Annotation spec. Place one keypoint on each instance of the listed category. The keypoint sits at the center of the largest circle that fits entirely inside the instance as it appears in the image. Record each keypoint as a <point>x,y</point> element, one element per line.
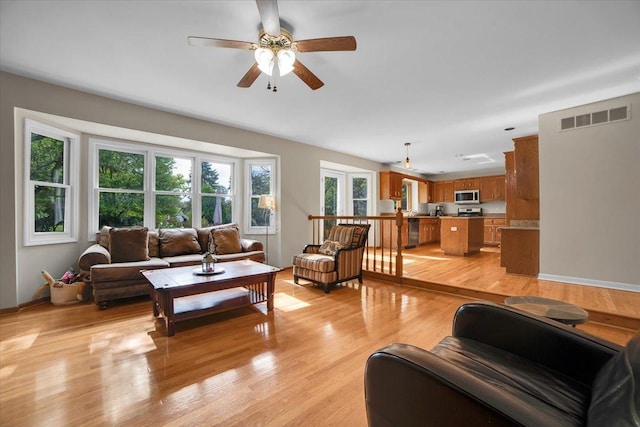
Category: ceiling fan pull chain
<point>276,72</point>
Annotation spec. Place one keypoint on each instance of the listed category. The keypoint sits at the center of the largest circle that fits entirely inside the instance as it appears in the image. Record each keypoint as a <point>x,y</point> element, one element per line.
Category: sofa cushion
<point>128,244</point>
<point>616,389</point>
<point>225,241</point>
<point>109,275</point>
<point>315,262</point>
<point>178,241</point>
<point>205,232</point>
<point>330,247</point>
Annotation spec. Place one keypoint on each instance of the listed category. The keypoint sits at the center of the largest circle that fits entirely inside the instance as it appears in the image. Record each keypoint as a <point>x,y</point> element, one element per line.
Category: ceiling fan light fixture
<point>264,58</point>
<point>286,59</point>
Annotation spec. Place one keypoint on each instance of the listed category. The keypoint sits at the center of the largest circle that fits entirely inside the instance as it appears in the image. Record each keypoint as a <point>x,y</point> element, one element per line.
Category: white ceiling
<point>446,76</point>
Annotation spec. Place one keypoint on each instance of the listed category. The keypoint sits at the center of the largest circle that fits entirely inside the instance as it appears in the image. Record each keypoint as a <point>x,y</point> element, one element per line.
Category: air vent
<point>596,118</point>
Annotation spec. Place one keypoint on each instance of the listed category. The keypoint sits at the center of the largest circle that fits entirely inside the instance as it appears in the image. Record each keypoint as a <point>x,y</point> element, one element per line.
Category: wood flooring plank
<point>302,364</point>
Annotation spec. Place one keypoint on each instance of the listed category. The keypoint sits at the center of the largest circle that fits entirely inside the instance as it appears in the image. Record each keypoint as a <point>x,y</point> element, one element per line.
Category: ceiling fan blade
<point>306,76</point>
<point>269,15</point>
<point>234,44</point>
<point>326,44</point>
<point>250,77</point>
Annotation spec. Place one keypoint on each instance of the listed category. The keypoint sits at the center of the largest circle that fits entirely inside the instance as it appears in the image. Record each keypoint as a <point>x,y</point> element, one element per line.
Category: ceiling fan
<point>275,52</point>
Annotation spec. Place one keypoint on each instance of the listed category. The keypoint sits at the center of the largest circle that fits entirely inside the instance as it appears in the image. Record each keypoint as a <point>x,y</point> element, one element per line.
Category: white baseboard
<point>590,282</point>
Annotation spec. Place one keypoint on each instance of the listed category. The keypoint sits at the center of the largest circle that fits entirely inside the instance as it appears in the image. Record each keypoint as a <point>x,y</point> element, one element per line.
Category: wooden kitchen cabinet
<point>429,230</point>
<point>492,188</point>
<point>443,192</point>
<point>493,230</point>
<point>466,184</point>
<point>425,192</point>
<point>390,185</point>
<point>448,191</point>
<point>526,165</point>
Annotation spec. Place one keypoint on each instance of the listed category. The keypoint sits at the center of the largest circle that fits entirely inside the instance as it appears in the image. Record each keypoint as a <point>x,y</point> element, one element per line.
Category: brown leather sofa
<point>504,367</point>
<point>114,263</point>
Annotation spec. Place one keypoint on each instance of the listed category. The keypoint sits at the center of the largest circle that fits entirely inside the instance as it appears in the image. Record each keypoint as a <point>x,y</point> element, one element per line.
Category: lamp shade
<point>264,58</point>
<point>286,58</point>
<point>267,201</point>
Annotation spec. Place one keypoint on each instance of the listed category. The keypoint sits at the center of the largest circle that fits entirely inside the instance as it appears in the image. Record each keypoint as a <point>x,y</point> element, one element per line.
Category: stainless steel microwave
<point>467,197</point>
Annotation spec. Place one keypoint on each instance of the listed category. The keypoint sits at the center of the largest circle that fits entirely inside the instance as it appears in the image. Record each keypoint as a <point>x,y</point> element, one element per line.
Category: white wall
<point>590,198</point>
<point>20,266</point>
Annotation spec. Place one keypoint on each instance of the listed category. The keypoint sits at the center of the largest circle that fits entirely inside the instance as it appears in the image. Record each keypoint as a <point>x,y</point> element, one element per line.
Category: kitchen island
<point>461,236</point>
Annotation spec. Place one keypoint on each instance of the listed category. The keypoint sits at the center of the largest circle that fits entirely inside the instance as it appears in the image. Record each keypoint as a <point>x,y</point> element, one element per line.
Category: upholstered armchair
<point>337,260</point>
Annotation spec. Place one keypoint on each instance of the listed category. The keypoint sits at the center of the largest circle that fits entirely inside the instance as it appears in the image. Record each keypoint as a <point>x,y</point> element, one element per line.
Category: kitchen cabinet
<point>518,207</point>
<point>425,192</point>
<point>526,165</point>
<point>448,191</point>
<point>520,250</point>
<point>443,192</point>
<point>466,184</point>
<point>492,188</point>
<point>390,185</point>
<point>493,230</point>
<point>461,236</point>
<point>429,230</point>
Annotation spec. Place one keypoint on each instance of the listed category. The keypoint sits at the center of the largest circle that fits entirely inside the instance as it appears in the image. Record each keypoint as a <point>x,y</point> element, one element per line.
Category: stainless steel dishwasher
<point>414,233</point>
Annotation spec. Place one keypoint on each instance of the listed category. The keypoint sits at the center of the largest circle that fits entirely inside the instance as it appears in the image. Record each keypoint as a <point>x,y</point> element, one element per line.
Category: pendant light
<point>407,162</point>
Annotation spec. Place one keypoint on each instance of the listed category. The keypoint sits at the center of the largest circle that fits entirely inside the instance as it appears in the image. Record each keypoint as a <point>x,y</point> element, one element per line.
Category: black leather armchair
<point>504,367</point>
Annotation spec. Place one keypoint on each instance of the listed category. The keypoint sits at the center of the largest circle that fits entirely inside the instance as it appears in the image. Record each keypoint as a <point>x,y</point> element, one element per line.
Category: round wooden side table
<point>560,311</point>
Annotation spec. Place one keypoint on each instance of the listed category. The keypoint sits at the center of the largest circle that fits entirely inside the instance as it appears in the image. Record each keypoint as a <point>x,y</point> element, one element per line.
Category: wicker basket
<point>64,295</point>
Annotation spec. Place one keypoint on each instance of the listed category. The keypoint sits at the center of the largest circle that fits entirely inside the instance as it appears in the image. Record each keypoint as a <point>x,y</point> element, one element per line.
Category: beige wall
<point>590,198</point>
<point>20,266</point>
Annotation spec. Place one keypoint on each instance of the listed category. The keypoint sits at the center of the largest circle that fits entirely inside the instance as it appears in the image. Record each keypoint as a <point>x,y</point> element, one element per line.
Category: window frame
<point>248,196</point>
<point>71,185</point>
<point>363,175</point>
<point>150,154</point>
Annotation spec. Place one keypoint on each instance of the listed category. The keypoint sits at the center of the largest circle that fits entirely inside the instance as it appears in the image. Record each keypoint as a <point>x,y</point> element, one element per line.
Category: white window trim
<point>247,196</point>
<point>341,196</point>
<point>369,199</point>
<point>72,210</point>
<point>150,153</point>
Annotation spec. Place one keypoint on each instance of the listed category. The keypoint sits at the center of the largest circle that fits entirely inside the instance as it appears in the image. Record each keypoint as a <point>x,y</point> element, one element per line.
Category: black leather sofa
<point>504,367</point>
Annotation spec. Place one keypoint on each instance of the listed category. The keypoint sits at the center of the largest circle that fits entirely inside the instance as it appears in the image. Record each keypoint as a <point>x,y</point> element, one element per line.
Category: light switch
<point>454,228</point>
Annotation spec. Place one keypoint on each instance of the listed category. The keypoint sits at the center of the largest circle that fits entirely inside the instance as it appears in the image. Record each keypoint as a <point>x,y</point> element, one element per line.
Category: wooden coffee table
<point>552,309</point>
<point>180,294</point>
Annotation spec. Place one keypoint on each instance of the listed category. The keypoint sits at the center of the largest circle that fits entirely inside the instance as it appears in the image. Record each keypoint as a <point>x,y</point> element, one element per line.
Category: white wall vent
<point>596,118</point>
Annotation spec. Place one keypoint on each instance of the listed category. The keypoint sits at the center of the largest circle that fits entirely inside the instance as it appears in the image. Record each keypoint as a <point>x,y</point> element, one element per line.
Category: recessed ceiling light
<point>509,129</point>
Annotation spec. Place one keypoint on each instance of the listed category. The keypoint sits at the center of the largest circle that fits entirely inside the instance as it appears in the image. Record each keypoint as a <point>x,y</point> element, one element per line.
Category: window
<point>120,188</point>
<point>51,196</point>
<point>138,185</point>
<point>215,193</point>
<point>261,181</point>
<point>173,192</point>
<point>360,194</point>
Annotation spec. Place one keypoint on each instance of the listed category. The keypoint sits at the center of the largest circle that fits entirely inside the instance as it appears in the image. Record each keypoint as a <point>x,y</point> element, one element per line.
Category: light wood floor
<point>481,273</point>
<point>301,364</point>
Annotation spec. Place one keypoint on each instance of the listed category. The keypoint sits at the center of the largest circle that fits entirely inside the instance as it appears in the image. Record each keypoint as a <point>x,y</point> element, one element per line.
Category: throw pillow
<point>103,238</point>
<point>204,233</point>
<point>178,241</point>
<point>330,247</point>
<point>129,244</point>
<point>225,241</point>
<point>154,244</point>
